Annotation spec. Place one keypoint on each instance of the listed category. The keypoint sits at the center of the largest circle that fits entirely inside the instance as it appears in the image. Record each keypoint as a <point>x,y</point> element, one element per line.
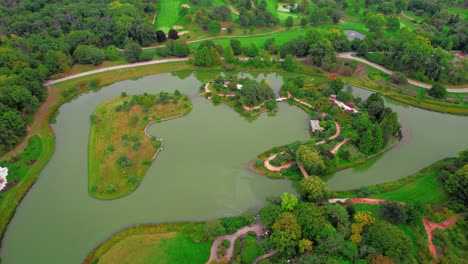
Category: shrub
<point>398,78</point>
<point>132,179</point>
<point>112,188</point>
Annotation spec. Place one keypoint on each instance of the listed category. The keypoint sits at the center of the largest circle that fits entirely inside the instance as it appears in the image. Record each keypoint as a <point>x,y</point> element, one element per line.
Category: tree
<point>286,234</point>
<point>236,46</point>
<point>337,85</point>
<point>214,26</point>
<point>160,36</point>
<point>438,91</point>
<point>87,54</point>
<point>111,53</point>
<point>288,201</point>
<point>269,214</point>
<point>214,229</point>
<point>305,245</point>
<point>378,140</point>
<point>398,78</point>
<point>336,15</point>
<point>457,184</point>
<point>363,49</point>
<point>304,22</point>
<point>252,50</point>
<point>393,22</point>
<point>393,212</point>
<point>132,52</point>
<point>229,54</point>
<point>289,22</point>
<point>310,159</point>
<point>388,240</point>
<point>173,34</point>
<point>180,49</point>
<point>288,63</point>
<point>313,189</point>
<point>366,142</point>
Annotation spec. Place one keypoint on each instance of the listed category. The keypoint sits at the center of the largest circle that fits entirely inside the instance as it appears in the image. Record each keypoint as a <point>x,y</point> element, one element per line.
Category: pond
<point>201,173</point>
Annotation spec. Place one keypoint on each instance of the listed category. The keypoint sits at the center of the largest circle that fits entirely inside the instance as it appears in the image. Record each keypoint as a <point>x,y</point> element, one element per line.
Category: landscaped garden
<point>120,150</point>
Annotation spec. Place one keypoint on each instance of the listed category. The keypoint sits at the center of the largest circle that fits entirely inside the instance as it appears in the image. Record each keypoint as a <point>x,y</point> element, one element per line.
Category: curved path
<point>259,229</point>
<point>431,226</point>
<point>267,255</point>
<point>232,8</point>
<point>267,164</point>
<point>349,55</point>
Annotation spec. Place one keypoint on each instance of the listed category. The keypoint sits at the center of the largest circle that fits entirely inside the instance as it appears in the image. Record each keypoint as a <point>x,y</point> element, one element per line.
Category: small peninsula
<point>120,149</point>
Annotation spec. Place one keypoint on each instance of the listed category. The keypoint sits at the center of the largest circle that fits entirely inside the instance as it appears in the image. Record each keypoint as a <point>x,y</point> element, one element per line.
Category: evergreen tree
<point>378,138</point>
<point>229,54</point>
<point>288,64</point>
<point>365,144</point>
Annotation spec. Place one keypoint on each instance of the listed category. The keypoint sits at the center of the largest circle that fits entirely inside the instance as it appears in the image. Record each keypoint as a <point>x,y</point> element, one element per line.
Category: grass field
<point>427,189</point>
<point>169,247</point>
<point>119,151</point>
<point>153,243</point>
<point>167,14</point>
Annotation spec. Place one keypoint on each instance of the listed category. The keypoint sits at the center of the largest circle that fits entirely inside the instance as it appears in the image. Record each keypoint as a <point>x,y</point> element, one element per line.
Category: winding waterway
<point>201,174</point>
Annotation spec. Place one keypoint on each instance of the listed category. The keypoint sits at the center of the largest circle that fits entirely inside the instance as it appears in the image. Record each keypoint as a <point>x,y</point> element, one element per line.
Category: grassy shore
<point>120,152</point>
<point>152,243</point>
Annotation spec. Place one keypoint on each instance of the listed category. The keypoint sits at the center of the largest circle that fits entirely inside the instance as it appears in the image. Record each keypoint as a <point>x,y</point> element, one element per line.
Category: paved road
<point>124,66</point>
<point>349,55</point>
<point>345,55</point>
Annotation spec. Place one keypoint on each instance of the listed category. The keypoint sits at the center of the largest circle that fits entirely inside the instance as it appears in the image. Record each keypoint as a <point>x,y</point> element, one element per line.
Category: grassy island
<point>120,149</point>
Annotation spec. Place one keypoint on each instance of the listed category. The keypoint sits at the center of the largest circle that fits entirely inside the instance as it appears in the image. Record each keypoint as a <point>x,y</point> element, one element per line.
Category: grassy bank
<point>423,186</point>
<point>120,152</point>
<point>153,243</point>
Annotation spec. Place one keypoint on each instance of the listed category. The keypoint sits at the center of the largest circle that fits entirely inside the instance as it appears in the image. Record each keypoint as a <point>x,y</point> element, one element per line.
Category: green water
<point>201,174</point>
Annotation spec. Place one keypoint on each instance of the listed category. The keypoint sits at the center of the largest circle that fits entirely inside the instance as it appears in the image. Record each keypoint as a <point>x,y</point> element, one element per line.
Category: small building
<point>315,126</point>
<point>3,175</point>
<point>239,86</point>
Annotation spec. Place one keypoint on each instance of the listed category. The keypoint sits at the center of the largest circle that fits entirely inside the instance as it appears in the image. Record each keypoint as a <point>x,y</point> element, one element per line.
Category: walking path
<point>267,164</point>
<point>232,8</point>
<point>346,55</point>
<point>267,255</point>
<point>349,55</point>
<point>259,229</point>
<point>431,226</point>
<point>360,200</point>
<point>154,17</point>
<point>335,149</point>
<point>124,66</point>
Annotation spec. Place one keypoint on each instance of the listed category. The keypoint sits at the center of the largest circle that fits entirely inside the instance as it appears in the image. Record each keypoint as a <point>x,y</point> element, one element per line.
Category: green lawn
<point>162,248</point>
<point>427,189</point>
<point>167,14</point>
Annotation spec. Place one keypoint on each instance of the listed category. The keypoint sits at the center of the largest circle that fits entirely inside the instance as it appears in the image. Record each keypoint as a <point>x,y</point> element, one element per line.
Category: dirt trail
<point>257,228</point>
<point>360,200</point>
<point>39,119</point>
<point>154,17</point>
<point>267,255</point>
<point>232,8</point>
<point>335,149</point>
<point>273,168</point>
<point>431,226</point>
